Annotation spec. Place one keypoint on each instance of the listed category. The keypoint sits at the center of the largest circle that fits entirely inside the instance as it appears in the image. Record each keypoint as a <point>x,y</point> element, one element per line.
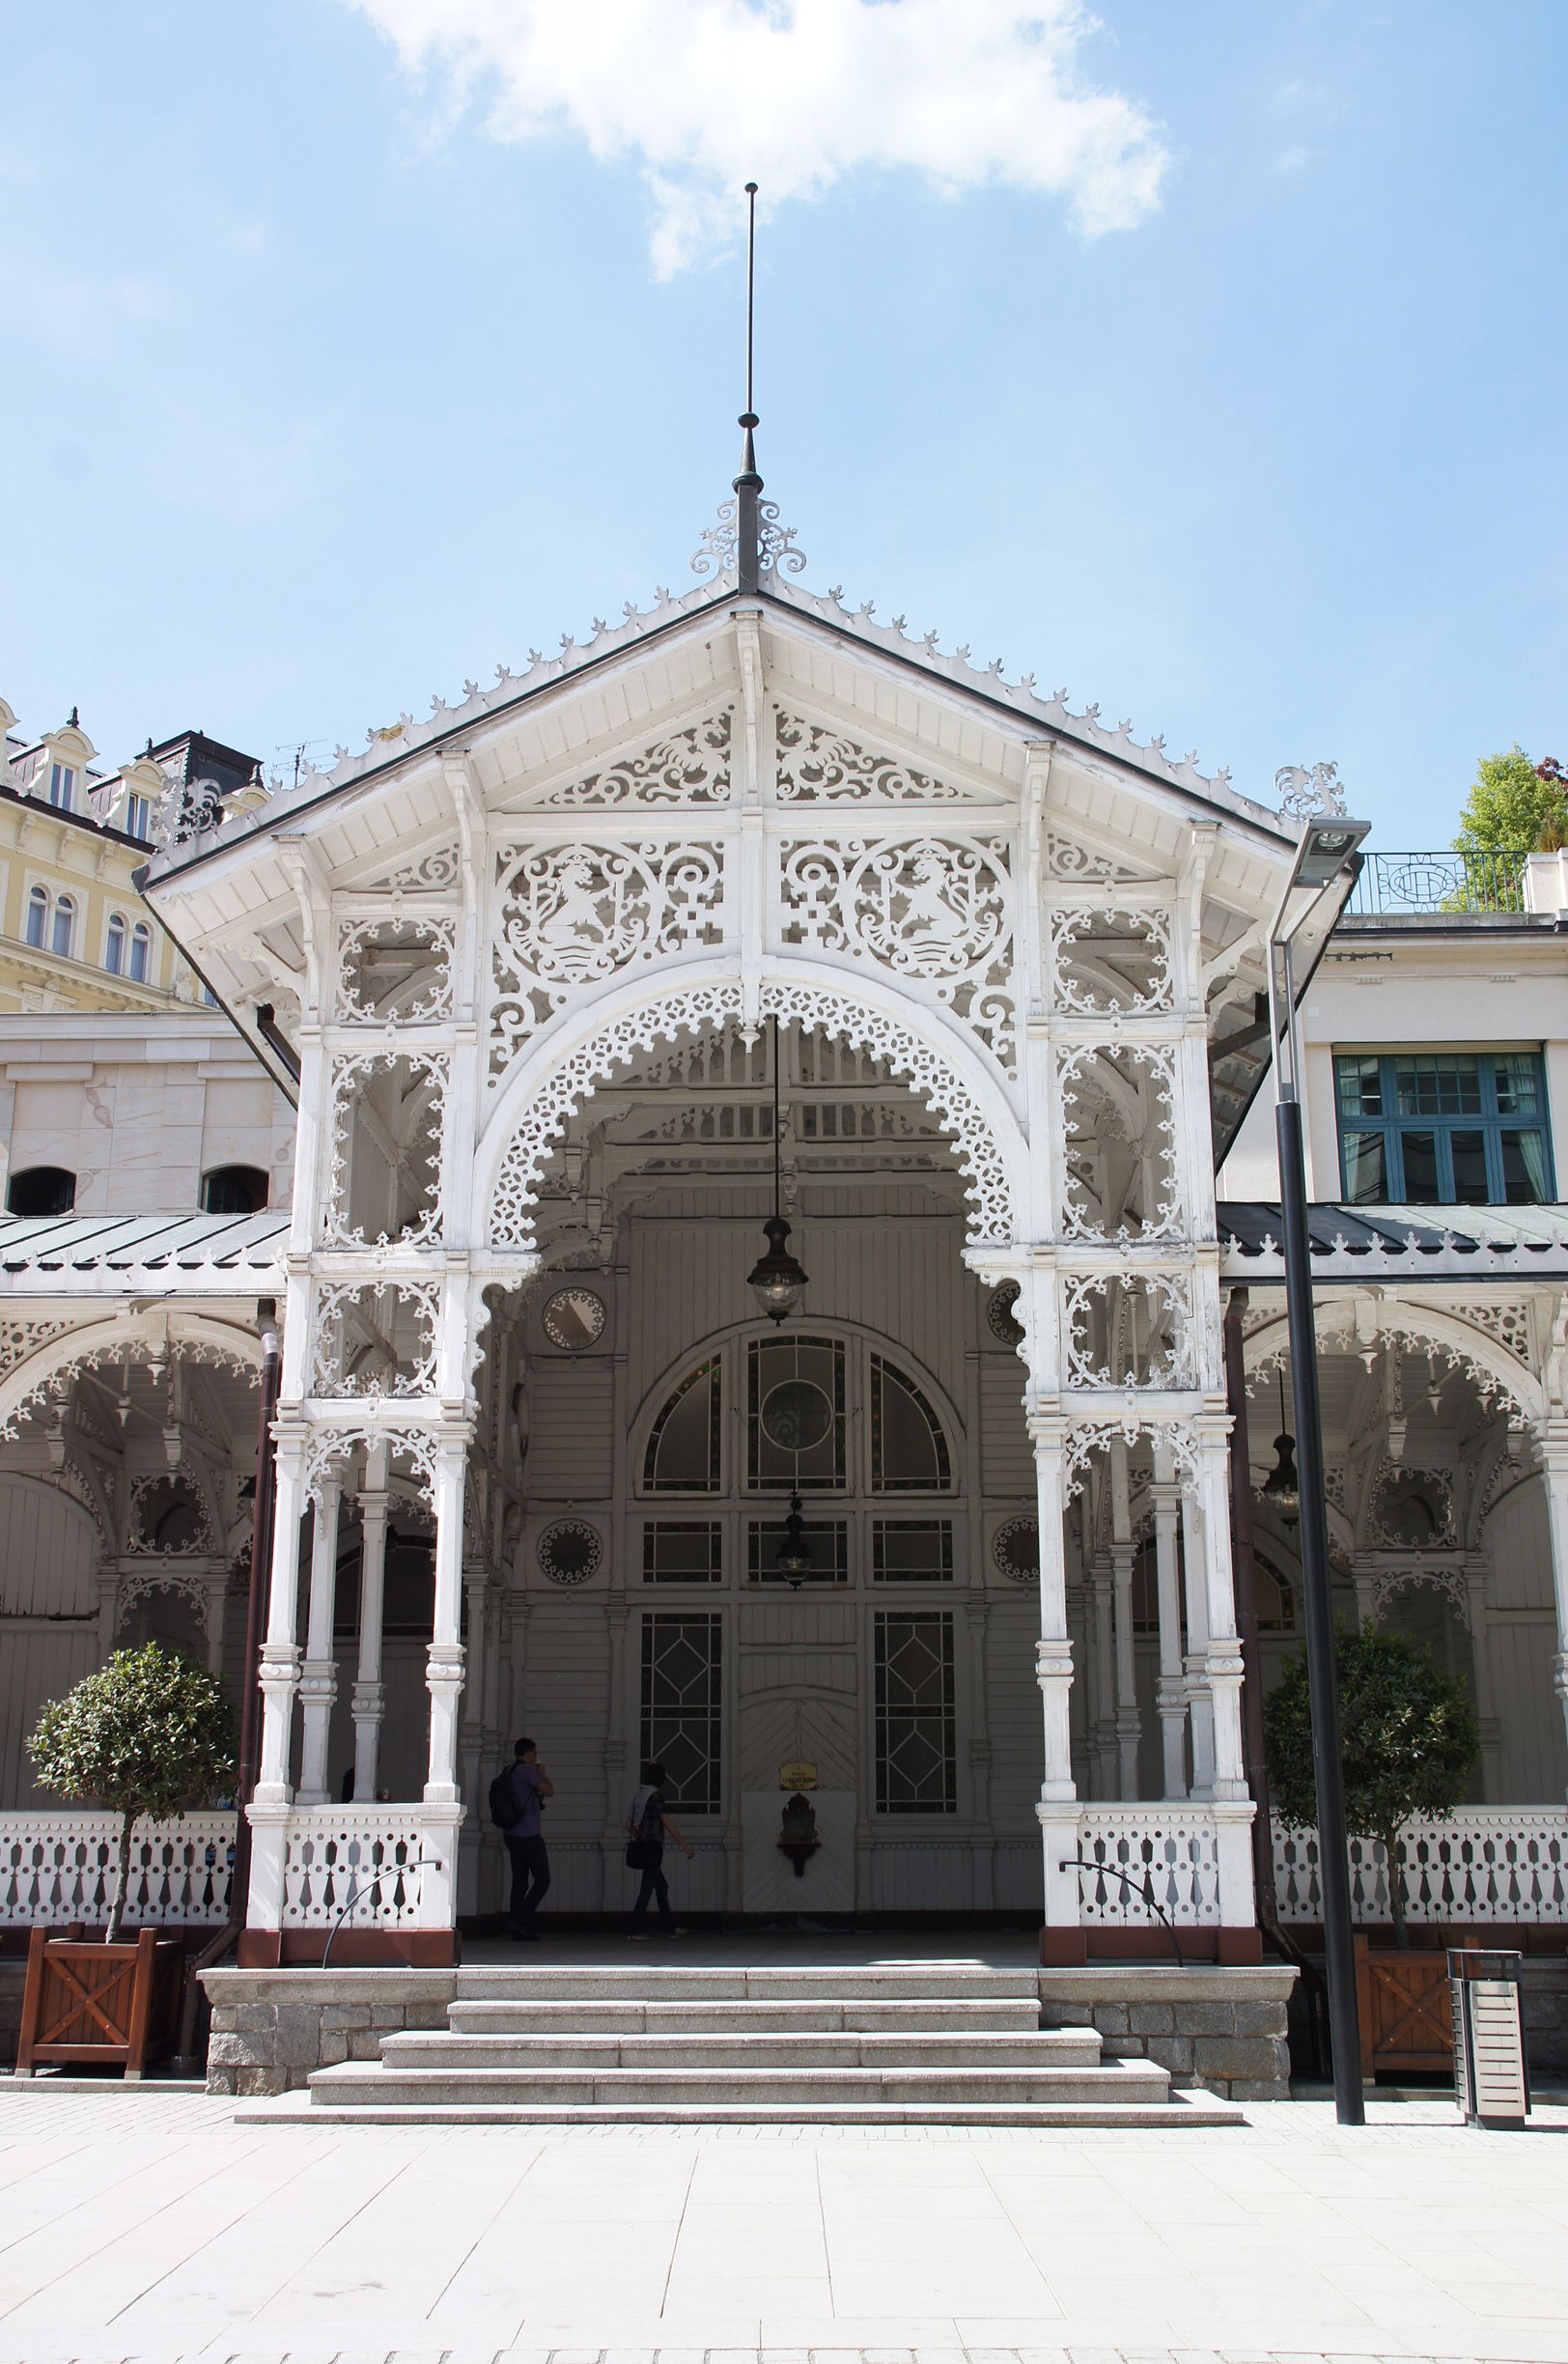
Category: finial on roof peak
<point>748,484</point>
<point>749,537</point>
<point>75,721</point>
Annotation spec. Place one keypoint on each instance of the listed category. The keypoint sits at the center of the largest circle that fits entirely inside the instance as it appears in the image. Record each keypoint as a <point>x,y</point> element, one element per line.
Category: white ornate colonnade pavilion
<point>741,807</point>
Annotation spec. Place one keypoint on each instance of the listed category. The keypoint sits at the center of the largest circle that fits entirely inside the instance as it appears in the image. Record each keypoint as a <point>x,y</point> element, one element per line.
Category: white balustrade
<point>367,1868</point>
<point>1142,1866</point>
<point>1496,1865</point>
<point>56,1869</point>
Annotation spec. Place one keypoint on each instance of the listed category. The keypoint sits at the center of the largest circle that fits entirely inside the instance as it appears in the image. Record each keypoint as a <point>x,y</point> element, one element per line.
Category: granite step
<point>644,1980</point>
<point>716,2048</point>
<point>869,2015</point>
<point>356,2084</point>
<point>1179,2111</point>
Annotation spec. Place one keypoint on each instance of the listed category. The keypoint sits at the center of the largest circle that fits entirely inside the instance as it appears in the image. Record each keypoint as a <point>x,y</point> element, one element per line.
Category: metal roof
<point>224,1254</point>
<point>1411,1243</point>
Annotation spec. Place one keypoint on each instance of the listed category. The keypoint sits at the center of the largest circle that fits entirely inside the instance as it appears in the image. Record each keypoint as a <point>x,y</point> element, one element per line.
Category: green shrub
<point>149,1735</point>
<point>1409,1739</point>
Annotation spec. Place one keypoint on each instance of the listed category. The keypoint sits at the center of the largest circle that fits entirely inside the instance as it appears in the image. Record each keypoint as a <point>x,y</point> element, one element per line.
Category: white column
<point>1129,1727</point>
<point>1058,1809</point>
<point>1552,1438</point>
<point>1103,1730</point>
<point>1121,1556</point>
<point>369,1695</point>
<point>280,1655</point>
<point>1195,1666</point>
<point>318,1676</point>
<point>1223,1670</point>
<point>444,1664</point>
<point>1170,1689</point>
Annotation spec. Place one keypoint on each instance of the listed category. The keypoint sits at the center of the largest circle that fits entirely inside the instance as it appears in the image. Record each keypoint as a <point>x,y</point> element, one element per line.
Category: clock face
<point>573,1319</point>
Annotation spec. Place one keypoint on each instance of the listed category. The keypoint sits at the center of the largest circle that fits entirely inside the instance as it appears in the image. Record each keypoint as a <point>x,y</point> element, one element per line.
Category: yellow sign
<point>798,1777</point>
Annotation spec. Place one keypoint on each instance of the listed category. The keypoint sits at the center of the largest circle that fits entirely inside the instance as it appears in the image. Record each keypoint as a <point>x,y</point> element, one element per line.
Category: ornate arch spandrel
<point>1489,1365</point>
<point>116,1339</point>
<point>987,1142</point>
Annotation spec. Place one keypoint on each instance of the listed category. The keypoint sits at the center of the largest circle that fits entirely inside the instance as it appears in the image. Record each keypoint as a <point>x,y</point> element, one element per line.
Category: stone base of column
<point>1068,1948</point>
<point>351,1950</point>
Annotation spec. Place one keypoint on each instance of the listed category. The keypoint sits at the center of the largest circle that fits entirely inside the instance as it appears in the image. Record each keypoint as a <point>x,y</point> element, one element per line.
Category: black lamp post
<point>1326,850</point>
<point>776,1277</point>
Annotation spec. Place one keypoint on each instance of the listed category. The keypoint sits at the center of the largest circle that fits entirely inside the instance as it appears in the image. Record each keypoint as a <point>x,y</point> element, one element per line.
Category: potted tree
<point>1408,1740</point>
<point>150,1734</point>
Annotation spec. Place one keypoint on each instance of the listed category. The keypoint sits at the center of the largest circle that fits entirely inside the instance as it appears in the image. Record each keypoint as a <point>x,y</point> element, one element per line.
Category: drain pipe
<point>262,1506</point>
<point>1253,1754</point>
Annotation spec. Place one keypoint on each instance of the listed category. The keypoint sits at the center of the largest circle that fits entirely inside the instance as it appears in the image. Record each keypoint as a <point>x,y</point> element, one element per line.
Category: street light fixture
<point>1326,854</point>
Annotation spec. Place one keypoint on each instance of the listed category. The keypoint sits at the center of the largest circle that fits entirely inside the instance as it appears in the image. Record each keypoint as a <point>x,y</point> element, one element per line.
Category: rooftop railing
<point>1469,882</point>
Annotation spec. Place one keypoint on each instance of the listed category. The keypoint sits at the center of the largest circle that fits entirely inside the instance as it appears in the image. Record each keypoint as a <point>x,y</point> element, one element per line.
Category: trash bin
<point>1491,2082</point>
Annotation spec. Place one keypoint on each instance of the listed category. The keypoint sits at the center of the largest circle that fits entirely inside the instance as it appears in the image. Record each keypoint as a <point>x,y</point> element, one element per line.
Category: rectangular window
<point>680,1726</point>
<point>683,1551</point>
<point>916,1750</point>
<point>139,816</point>
<point>1441,1128</point>
<point>62,785</point>
<point>911,1551</point>
<point>828,1540</point>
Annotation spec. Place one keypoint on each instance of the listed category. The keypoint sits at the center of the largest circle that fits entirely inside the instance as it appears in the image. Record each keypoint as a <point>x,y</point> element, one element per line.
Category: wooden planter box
<point>99,2005</point>
<point>1402,2005</point>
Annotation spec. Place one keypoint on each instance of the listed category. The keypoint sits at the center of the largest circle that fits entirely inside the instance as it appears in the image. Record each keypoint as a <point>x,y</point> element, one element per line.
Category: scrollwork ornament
<point>691,767</point>
<point>1309,793</point>
<point>935,913</point>
<point>576,915</point>
<point>819,765</point>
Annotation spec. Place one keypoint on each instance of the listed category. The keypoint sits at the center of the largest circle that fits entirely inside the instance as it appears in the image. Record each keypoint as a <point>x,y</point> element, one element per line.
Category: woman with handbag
<point>647,1827</point>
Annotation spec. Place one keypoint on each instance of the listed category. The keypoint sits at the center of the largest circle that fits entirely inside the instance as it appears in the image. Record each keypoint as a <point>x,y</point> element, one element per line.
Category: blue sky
<point>332,382</point>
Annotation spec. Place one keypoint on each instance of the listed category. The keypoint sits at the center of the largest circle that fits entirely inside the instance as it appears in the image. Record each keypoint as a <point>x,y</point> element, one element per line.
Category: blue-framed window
<point>1442,1128</point>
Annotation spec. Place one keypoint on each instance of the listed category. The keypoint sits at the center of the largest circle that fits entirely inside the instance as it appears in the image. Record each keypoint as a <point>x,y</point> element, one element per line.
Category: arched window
<point>233,1190</point>
<point>909,1452</point>
<point>141,952</point>
<point>683,1454</point>
<point>37,918</point>
<point>1275,1598</point>
<point>65,925</point>
<point>39,1191</point>
<point>114,948</point>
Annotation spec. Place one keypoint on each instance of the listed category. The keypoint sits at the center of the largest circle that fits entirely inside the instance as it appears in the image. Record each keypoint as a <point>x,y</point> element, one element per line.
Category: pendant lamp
<point>776,1278</point>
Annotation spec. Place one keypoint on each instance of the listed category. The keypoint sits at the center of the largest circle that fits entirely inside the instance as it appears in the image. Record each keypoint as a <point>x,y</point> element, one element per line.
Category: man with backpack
<point>517,1797</point>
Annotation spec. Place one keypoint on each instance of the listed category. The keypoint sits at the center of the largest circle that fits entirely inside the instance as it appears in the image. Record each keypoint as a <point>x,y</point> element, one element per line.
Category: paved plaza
<point>147,2225</point>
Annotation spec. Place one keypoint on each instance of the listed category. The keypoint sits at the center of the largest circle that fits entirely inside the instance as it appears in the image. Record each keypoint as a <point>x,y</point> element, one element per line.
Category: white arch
<point>117,1338</point>
<point>1489,1365</point>
<point>917,1044</point>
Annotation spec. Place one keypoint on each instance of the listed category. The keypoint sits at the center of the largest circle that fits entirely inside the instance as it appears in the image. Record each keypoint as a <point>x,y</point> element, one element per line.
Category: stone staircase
<point>901,2044</point>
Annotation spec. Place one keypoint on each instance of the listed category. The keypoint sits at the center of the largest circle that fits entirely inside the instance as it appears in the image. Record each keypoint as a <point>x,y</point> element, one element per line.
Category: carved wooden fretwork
<point>395,972</point>
<point>933,913</point>
<point>691,767</point>
<point>574,916</point>
<point>816,763</point>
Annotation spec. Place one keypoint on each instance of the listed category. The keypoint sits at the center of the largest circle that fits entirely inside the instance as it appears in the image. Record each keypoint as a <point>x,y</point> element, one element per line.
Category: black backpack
<point>504,1809</point>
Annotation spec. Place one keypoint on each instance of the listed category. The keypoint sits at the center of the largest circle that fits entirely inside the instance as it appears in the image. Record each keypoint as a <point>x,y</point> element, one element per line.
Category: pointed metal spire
<point>748,484</point>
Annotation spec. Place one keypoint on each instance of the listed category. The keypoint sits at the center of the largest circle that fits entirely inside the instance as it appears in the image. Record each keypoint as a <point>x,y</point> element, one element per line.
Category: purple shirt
<point>526,1784</point>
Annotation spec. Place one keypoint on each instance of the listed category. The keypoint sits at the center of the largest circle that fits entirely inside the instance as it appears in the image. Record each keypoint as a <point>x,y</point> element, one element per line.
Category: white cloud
<point>794,93</point>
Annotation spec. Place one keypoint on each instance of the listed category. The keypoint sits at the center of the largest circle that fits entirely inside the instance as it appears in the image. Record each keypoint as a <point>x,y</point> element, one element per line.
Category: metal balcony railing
<point>1470,881</point>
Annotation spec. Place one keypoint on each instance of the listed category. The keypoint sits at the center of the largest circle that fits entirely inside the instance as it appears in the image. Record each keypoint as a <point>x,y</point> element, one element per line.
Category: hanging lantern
<point>777,1278</point>
<point>794,1559</point>
<point>1282,1487</point>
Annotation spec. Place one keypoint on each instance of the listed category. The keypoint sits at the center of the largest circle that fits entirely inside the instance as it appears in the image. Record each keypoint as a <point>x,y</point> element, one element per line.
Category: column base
<point>261,1949</point>
<point>1070,1949</point>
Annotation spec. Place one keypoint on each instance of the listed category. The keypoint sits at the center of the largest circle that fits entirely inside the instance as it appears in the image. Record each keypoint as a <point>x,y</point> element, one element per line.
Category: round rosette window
<point>1015,1547</point>
<point>797,1416</point>
<point>570,1551</point>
